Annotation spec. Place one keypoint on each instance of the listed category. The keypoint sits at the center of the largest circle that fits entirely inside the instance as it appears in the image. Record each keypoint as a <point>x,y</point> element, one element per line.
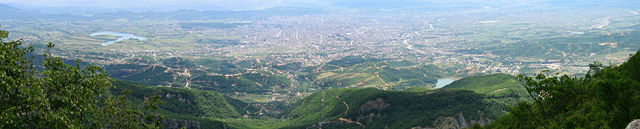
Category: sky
<point>165,4</point>
<point>205,4</point>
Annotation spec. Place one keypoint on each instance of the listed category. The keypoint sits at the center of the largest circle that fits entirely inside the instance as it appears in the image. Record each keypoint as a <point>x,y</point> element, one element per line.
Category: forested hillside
<point>606,97</point>
<point>489,84</point>
<point>53,94</point>
<point>186,107</point>
<point>503,89</point>
<point>372,108</point>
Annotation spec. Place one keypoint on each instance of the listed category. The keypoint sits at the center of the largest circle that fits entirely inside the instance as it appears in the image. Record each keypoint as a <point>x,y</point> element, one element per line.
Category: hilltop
<point>495,84</point>
<point>361,72</point>
<point>372,108</point>
<point>606,97</point>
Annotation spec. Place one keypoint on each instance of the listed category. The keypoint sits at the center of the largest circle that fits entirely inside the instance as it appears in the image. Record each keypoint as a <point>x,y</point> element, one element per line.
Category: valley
<point>422,64</point>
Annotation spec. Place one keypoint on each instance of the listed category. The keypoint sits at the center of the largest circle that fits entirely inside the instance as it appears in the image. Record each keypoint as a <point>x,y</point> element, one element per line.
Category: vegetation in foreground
<point>606,97</point>
<point>59,95</point>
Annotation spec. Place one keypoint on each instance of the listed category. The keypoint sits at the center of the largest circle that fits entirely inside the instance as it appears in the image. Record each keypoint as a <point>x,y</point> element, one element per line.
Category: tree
<point>606,97</point>
<point>58,95</point>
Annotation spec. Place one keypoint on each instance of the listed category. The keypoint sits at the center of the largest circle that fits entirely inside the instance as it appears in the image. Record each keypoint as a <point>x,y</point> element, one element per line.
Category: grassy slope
<point>371,107</point>
<point>501,90</point>
<point>495,84</point>
<point>394,109</point>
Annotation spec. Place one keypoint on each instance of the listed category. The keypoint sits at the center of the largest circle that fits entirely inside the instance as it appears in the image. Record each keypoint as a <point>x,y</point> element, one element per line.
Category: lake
<point>121,36</point>
<point>443,82</point>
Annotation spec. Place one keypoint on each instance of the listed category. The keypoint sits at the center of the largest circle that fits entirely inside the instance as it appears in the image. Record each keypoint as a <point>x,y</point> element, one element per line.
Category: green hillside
<point>185,106</point>
<point>606,97</point>
<point>456,105</point>
<point>372,108</point>
<point>362,72</point>
<point>495,84</point>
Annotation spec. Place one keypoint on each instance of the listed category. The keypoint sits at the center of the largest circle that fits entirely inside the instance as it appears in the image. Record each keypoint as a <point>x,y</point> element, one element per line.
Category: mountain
<point>606,97</point>
<point>471,100</point>
<point>186,107</point>
<point>226,76</point>
<point>360,71</point>
<point>8,8</point>
<point>9,12</point>
<point>495,84</point>
<point>630,68</point>
<point>461,104</point>
<point>373,108</point>
<point>81,14</point>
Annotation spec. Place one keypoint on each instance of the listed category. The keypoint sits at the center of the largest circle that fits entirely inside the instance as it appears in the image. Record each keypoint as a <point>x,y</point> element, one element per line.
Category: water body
<point>443,82</point>
<point>121,36</point>
<point>576,32</point>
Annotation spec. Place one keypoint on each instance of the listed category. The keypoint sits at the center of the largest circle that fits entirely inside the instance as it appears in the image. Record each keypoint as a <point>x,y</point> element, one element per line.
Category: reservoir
<point>121,36</point>
<point>443,82</point>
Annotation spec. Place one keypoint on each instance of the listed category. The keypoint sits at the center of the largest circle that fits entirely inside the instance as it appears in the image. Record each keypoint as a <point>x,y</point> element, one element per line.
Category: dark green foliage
<point>121,70</point>
<point>607,97</point>
<point>152,75</point>
<point>631,67</point>
<point>60,95</point>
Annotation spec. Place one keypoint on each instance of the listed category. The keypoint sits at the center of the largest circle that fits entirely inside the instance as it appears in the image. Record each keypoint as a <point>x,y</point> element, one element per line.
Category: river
<point>443,82</point>
<point>121,36</point>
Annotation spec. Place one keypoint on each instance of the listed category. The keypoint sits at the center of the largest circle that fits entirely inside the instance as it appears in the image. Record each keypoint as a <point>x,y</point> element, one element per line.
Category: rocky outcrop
<point>374,105</point>
<point>635,124</point>
<point>179,97</point>
<point>179,123</point>
<point>454,122</point>
<point>340,123</point>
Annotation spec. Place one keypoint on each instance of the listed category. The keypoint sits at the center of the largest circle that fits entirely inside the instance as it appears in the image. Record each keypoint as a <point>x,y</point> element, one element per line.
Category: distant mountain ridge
<point>11,12</point>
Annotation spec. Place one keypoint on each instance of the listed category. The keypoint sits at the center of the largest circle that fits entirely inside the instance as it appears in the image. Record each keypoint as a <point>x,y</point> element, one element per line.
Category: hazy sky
<point>164,4</point>
<point>247,4</point>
